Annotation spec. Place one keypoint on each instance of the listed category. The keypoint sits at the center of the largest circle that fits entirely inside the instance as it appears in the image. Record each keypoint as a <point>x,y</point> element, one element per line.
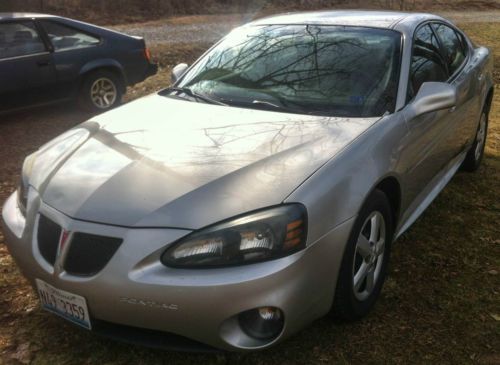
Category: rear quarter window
<point>64,37</point>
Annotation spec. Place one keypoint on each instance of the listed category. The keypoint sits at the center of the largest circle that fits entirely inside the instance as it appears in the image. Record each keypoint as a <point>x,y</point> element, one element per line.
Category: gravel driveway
<point>208,29</point>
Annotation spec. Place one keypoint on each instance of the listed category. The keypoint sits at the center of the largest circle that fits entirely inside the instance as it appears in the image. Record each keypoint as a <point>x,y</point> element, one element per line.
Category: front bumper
<point>134,289</point>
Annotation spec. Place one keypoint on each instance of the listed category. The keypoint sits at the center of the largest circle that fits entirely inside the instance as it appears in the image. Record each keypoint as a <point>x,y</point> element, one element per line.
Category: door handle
<point>43,63</point>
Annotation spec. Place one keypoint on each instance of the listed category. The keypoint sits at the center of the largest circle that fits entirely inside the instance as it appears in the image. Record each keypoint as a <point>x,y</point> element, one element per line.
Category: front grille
<point>88,253</point>
<point>48,239</point>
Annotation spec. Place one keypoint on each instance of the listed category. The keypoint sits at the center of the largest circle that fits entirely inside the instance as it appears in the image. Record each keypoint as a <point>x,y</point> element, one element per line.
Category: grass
<point>440,303</point>
<point>487,34</point>
<point>166,57</point>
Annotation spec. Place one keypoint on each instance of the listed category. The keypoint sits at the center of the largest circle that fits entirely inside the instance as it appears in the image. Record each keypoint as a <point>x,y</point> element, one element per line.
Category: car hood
<point>163,162</point>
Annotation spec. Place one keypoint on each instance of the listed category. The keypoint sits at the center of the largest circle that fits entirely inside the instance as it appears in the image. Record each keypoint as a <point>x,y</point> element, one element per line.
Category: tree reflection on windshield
<point>325,70</point>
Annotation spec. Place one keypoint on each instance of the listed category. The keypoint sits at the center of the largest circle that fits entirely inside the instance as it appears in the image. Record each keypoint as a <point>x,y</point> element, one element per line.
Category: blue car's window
<point>19,39</point>
<point>322,70</point>
<point>63,37</point>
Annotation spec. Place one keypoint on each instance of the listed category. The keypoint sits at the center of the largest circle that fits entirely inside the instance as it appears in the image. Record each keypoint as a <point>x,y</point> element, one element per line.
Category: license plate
<point>67,305</point>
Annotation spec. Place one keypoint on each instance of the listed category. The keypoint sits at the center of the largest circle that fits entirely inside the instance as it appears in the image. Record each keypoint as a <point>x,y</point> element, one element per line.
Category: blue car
<point>45,59</point>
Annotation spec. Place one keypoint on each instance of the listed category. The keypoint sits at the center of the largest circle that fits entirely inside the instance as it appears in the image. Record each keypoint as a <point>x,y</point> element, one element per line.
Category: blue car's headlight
<point>260,236</point>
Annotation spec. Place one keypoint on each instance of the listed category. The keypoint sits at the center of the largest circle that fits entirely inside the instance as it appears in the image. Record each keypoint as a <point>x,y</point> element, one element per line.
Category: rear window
<point>64,37</point>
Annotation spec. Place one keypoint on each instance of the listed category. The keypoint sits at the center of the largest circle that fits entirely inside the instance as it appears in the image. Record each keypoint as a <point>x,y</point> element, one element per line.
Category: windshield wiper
<point>284,108</point>
<point>195,95</point>
<point>268,103</point>
<point>271,105</point>
<point>303,109</point>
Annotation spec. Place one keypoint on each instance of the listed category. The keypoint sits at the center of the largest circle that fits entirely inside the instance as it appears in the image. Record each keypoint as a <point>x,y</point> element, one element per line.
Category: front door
<point>27,72</point>
<point>425,151</point>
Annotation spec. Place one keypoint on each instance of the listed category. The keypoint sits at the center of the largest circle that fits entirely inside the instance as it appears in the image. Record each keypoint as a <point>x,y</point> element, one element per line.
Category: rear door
<point>27,70</point>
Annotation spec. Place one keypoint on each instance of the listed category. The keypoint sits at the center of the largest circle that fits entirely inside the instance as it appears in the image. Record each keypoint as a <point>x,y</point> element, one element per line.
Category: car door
<point>463,120</point>
<point>27,71</point>
<point>73,48</point>
<point>425,153</point>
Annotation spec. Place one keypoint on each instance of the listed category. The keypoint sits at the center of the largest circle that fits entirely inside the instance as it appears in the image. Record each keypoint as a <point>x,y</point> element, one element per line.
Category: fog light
<point>263,323</point>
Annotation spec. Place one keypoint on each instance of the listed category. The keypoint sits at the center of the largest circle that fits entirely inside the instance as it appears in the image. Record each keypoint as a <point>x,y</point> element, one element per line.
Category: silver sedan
<point>260,191</point>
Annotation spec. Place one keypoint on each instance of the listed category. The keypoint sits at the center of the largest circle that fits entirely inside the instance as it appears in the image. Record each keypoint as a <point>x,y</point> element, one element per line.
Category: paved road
<point>208,29</point>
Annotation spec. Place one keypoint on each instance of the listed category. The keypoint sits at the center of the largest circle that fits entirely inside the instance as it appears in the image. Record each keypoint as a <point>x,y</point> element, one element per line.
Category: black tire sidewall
<point>478,161</point>
<point>88,81</point>
<point>470,163</point>
<point>346,305</point>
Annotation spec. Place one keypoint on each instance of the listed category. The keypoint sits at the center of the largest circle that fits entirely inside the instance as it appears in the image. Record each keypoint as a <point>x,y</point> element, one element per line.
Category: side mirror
<point>433,96</point>
<point>178,71</point>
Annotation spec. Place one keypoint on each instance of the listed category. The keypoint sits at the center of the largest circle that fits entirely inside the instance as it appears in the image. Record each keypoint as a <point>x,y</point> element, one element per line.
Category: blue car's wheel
<point>101,90</point>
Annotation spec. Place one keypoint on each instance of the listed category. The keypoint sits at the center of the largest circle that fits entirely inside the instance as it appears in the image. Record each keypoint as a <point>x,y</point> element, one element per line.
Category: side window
<point>454,49</point>
<point>427,63</point>
<point>64,37</point>
<point>19,39</point>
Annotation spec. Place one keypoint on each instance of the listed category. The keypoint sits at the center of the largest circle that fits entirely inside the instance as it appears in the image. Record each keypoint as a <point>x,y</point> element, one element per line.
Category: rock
<point>22,353</point>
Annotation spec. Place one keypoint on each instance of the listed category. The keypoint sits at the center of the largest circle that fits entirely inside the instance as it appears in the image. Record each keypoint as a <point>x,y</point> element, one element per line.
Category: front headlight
<point>22,197</point>
<point>260,236</point>
<point>22,189</point>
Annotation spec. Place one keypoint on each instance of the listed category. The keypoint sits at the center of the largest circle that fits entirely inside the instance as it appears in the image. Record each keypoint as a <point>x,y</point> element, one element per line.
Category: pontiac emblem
<point>63,240</point>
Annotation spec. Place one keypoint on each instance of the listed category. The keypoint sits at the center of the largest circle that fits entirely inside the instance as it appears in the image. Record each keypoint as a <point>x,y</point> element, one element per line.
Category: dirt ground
<point>440,303</point>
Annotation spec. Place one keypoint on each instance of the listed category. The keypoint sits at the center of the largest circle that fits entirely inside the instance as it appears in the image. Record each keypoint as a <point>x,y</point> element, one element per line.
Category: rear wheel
<point>101,90</point>
<point>475,155</point>
<point>365,259</point>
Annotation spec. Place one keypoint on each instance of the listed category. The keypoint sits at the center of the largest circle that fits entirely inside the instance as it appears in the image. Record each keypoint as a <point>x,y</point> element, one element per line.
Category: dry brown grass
<point>166,56</point>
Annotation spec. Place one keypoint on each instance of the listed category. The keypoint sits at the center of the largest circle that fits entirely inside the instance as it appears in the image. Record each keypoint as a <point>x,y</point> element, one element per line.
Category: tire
<point>475,155</point>
<point>367,248</point>
<point>101,90</point>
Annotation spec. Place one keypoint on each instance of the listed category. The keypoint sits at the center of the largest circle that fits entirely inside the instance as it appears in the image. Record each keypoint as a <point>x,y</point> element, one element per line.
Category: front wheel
<point>101,90</point>
<point>364,264</point>
<point>475,155</point>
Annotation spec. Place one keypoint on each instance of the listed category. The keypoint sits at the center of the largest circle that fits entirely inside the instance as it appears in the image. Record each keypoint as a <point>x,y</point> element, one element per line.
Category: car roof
<point>363,18</point>
<point>8,16</point>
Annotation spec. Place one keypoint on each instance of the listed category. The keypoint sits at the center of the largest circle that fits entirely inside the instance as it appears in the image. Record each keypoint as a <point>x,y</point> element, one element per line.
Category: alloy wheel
<point>369,256</point>
<point>103,93</point>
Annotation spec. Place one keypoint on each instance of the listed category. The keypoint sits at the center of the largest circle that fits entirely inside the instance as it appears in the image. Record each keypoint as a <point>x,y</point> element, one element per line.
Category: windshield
<point>310,69</point>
